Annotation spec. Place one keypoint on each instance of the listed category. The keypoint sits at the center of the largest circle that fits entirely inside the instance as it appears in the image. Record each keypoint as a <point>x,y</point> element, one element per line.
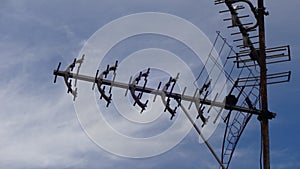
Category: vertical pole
<point>263,86</point>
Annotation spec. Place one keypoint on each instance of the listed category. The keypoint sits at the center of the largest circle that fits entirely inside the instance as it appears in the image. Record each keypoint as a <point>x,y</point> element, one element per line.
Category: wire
<point>261,138</point>
<point>260,153</point>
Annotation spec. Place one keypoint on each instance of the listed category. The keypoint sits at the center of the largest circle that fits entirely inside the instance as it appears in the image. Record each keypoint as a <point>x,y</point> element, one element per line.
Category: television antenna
<point>253,49</point>
<point>248,85</point>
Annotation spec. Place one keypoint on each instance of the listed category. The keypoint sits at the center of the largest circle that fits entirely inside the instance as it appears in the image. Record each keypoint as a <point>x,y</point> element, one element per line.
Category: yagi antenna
<point>247,95</point>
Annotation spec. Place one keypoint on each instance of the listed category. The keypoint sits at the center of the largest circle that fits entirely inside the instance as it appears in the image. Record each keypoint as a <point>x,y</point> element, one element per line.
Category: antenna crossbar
<point>153,91</point>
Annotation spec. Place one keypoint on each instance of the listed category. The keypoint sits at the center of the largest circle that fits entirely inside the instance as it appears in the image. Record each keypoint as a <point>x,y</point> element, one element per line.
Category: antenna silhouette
<point>248,85</point>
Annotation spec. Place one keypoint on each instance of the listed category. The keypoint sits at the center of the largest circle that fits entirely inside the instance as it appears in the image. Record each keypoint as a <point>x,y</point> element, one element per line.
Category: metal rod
<point>202,136</point>
<point>263,86</point>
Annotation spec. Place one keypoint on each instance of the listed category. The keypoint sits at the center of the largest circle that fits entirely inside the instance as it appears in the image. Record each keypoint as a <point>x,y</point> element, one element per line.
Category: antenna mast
<point>258,53</point>
<point>263,86</point>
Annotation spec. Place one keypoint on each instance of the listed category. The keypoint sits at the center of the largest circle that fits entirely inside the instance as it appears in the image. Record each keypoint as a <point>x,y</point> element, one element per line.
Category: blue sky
<point>38,123</point>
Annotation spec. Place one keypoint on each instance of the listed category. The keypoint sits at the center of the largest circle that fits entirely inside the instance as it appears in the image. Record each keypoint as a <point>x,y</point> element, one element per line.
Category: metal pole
<point>263,86</point>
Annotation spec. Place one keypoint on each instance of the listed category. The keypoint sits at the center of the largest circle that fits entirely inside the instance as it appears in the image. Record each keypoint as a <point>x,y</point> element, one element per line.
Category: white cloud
<point>36,131</point>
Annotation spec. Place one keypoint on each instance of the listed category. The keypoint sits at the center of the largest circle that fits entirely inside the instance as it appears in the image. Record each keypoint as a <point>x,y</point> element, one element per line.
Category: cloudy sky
<point>38,123</point>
